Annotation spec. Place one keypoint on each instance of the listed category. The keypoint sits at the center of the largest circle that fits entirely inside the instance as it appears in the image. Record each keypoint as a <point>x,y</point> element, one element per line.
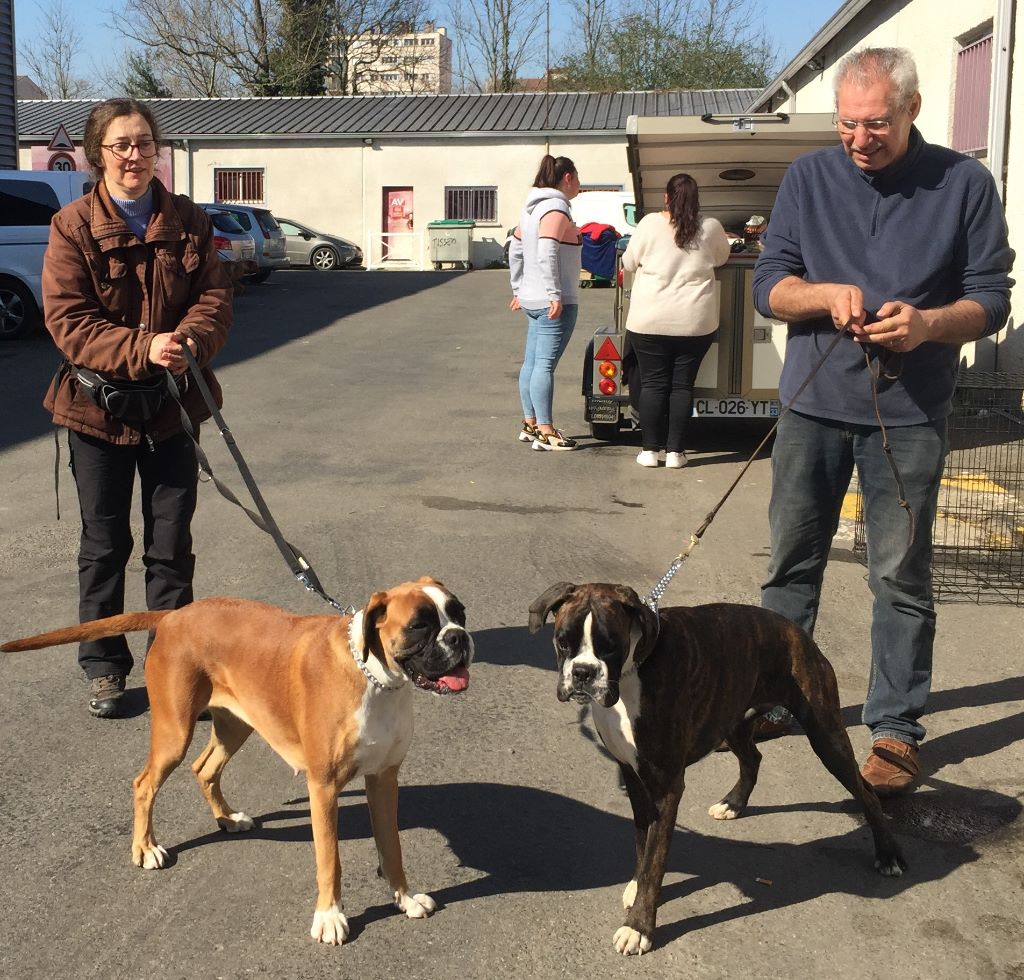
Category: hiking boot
<point>892,767</point>
<point>106,696</point>
<point>773,723</point>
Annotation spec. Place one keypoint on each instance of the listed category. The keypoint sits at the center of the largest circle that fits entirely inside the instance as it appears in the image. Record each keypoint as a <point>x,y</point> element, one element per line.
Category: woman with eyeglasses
<point>131,278</point>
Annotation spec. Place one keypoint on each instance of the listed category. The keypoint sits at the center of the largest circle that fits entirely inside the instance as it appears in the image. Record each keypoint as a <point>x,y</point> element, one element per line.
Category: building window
<point>238,186</point>
<point>601,187</point>
<point>971,98</point>
<point>478,203</point>
<point>426,40</point>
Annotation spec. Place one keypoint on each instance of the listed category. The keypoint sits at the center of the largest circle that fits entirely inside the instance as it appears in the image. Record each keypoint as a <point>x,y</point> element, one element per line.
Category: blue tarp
<point>599,255</point>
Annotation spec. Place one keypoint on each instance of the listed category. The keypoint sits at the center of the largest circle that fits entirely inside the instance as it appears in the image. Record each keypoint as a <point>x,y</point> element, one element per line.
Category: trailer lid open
<point>737,160</point>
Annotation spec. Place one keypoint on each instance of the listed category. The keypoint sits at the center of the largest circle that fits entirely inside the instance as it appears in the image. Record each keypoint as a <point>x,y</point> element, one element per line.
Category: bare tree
<point>51,55</point>
<point>364,43</point>
<point>589,20</point>
<point>655,44</point>
<point>496,38</point>
<point>210,47</point>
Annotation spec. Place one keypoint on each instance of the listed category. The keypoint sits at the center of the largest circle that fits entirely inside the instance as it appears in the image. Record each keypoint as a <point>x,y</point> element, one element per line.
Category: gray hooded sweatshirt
<point>544,269</point>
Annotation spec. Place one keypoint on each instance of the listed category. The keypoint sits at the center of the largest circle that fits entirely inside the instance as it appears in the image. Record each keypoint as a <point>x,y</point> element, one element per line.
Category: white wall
<point>337,186</point>
<point>929,29</point>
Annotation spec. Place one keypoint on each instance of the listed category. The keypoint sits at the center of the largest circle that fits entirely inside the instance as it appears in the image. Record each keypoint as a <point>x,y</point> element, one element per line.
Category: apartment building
<point>417,63</point>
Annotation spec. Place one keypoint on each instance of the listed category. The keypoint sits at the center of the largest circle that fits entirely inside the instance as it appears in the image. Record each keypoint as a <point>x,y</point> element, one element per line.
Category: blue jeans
<point>812,464</point>
<point>545,342</point>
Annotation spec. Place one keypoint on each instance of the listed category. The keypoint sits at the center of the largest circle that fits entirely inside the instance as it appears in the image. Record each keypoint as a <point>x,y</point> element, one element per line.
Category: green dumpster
<point>450,241</point>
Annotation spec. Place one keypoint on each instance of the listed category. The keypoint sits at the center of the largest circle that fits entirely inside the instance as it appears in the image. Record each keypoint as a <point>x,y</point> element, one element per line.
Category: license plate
<point>736,408</point>
<point>602,410</point>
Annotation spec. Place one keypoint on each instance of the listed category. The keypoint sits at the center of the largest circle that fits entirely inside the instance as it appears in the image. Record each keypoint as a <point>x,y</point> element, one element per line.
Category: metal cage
<point>978,537</point>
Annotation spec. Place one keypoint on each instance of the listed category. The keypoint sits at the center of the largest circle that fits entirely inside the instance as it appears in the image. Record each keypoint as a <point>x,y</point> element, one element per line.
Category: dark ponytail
<point>683,206</point>
<point>553,170</point>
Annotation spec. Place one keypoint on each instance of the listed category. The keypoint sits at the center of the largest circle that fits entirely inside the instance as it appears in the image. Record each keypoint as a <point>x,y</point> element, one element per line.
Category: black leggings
<point>105,476</point>
<point>668,369</point>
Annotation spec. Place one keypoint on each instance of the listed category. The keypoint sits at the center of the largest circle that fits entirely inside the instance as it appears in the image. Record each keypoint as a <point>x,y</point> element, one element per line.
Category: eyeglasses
<point>122,149</point>
<point>876,127</point>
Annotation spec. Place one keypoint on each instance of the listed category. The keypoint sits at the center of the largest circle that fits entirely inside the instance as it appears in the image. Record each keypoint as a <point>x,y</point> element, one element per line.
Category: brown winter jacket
<point>105,293</point>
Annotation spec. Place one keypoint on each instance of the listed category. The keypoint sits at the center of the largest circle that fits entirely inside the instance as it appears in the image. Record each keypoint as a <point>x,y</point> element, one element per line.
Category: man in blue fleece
<point>903,246</point>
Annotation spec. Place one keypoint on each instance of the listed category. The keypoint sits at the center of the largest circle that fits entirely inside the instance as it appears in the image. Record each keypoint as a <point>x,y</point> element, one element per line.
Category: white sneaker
<point>675,461</point>
<point>647,458</point>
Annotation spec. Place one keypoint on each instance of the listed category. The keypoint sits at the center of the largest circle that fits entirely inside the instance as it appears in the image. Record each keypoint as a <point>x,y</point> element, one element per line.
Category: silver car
<point>261,225</point>
<point>305,246</point>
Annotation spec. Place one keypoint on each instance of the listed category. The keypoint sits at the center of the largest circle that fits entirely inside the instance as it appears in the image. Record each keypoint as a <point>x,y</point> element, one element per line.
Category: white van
<point>615,208</point>
<point>28,201</point>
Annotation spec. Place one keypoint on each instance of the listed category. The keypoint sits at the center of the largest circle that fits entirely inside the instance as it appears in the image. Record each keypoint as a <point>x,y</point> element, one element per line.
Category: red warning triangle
<point>61,140</point>
<point>607,352</point>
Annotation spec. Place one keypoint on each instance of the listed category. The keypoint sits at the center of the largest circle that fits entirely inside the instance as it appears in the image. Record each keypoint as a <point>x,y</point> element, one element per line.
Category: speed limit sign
<point>61,161</point>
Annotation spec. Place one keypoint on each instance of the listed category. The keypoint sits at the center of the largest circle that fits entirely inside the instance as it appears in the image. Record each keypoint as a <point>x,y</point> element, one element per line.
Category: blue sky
<point>788,23</point>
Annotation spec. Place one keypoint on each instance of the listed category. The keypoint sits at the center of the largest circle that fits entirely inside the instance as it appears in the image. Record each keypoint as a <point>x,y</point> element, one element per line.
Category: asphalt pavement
<point>378,413</point>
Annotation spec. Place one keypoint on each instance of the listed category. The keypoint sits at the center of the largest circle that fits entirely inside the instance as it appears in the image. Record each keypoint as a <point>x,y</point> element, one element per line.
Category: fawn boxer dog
<point>331,695</point>
<point>666,688</point>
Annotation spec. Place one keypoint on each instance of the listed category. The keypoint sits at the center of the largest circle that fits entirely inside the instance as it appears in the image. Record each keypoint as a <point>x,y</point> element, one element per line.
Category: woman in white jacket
<point>673,313</point>
<point>544,261</point>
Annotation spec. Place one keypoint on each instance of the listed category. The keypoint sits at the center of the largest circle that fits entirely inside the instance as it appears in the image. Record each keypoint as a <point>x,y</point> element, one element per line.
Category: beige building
<point>965,55</point>
<point>398,64</point>
<point>378,170</point>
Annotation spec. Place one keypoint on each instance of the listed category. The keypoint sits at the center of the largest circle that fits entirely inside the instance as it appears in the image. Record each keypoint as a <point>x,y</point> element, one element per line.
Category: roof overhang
<point>808,53</point>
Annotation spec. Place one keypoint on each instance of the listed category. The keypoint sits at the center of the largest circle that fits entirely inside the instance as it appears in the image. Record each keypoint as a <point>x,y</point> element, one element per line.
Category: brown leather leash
<point>658,591</point>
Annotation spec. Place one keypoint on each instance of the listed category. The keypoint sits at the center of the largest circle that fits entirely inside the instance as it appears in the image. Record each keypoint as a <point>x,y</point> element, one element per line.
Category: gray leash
<point>264,520</point>
<point>654,597</point>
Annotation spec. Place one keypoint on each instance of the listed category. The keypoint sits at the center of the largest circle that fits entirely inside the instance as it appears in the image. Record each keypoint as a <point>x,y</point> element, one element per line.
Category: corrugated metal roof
<point>394,115</point>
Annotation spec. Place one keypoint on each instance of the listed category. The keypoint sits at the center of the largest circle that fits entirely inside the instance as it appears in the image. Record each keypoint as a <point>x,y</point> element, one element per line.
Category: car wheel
<point>262,276</point>
<point>323,258</point>
<point>605,431</point>
<point>18,312</point>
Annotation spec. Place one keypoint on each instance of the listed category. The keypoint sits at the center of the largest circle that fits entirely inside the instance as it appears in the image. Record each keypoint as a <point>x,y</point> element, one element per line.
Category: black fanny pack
<point>129,401</point>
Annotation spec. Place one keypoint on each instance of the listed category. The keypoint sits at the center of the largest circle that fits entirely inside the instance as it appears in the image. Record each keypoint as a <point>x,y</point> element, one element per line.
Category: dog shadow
<point>525,839</point>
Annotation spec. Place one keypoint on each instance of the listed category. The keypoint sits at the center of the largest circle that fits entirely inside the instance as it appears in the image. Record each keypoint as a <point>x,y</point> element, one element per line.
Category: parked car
<point>28,200</point>
<point>234,244</point>
<point>322,251</point>
<point>266,234</point>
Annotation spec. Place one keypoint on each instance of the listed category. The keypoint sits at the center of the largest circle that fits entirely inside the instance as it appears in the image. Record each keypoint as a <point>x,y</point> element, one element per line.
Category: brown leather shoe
<point>892,767</point>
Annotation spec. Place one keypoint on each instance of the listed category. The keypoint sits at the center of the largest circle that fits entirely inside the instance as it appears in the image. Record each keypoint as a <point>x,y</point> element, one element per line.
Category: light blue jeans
<point>546,340</point>
<point>812,463</point>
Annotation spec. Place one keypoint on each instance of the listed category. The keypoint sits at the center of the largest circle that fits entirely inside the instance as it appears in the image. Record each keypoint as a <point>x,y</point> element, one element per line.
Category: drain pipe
<point>999,121</point>
<point>999,111</point>
<point>790,94</point>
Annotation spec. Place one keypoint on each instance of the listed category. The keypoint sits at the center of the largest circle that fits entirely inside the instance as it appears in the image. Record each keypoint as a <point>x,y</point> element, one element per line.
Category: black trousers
<point>105,476</point>
<point>668,369</point>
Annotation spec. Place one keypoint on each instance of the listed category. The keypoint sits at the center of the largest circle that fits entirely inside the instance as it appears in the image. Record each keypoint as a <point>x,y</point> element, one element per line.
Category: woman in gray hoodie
<point>544,260</point>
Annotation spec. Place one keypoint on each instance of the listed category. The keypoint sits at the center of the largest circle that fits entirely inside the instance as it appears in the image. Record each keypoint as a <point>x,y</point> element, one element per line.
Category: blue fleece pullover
<point>927,231</point>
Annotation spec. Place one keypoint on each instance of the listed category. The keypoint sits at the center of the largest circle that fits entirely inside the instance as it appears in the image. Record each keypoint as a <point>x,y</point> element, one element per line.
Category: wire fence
<point>978,537</point>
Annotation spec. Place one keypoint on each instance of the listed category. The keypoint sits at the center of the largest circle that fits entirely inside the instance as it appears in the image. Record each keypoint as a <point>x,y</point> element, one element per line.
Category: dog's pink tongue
<point>458,680</point>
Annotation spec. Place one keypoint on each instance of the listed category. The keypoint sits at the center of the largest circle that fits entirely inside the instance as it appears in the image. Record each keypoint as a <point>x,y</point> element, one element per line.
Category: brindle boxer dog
<point>332,695</point>
<point>666,689</point>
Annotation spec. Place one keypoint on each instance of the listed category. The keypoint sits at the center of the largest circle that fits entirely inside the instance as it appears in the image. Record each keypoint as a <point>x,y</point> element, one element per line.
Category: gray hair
<point>868,65</point>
